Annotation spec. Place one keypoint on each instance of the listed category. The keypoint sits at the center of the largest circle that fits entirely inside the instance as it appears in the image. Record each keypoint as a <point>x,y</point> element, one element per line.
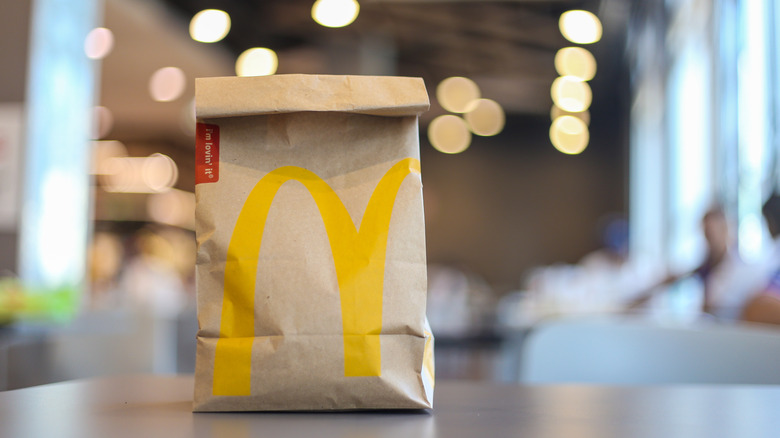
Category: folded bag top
<point>372,95</point>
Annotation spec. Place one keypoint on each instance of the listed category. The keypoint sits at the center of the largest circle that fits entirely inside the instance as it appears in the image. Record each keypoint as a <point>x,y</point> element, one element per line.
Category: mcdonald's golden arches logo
<point>359,258</point>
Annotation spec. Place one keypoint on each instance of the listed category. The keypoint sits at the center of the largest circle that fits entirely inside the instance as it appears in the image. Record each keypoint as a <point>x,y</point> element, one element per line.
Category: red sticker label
<point>206,153</point>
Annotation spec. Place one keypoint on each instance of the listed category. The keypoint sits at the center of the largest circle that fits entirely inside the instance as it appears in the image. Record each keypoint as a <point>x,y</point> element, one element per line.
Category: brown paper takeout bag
<point>311,270</point>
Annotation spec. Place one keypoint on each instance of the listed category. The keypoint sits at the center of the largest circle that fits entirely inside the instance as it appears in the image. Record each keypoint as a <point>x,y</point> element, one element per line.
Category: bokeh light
<point>575,61</point>
<point>118,174</point>
<point>571,94</point>
<point>102,122</point>
<point>449,134</point>
<point>209,25</point>
<point>153,174</point>
<point>485,117</point>
<point>167,84</point>
<point>257,61</point>
<point>104,150</point>
<point>335,13</point>
<point>105,256</point>
<point>580,27</point>
<point>569,135</point>
<point>99,43</point>
<point>173,207</point>
<point>455,94</point>
<point>556,112</point>
<point>159,172</point>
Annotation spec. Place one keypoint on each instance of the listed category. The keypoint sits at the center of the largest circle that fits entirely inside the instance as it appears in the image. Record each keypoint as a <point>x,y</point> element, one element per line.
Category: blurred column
<point>691,150</point>
<point>648,170</point>
<point>774,78</point>
<point>754,117</point>
<point>726,37</point>
<point>673,151</point>
<point>61,91</point>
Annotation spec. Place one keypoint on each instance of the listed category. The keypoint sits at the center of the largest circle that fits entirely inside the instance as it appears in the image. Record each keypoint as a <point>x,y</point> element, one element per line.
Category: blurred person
<point>154,287</point>
<point>728,281</point>
<point>613,272</point>
<point>150,279</point>
<point>599,283</point>
<point>614,244</point>
<point>459,302</point>
<point>105,260</point>
<point>764,307</point>
<point>184,250</point>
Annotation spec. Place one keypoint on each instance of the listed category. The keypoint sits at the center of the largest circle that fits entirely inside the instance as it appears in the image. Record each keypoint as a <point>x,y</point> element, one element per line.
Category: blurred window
<point>704,123</point>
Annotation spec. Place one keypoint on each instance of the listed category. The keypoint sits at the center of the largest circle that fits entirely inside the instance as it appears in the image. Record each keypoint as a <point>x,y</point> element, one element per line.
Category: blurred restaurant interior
<point>567,168</point>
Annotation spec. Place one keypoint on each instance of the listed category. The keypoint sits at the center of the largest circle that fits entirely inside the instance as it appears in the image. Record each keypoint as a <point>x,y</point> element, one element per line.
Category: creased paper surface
<point>311,268</point>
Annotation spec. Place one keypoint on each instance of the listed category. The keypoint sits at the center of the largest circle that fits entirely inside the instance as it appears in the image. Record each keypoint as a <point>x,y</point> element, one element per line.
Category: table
<point>159,406</point>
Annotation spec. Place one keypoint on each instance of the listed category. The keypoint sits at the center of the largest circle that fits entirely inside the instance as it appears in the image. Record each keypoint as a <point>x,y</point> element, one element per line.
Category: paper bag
<point>311,270</point>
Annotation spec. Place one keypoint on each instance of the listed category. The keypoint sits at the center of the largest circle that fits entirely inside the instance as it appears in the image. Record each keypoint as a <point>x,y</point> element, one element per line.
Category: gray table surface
<point>160,406</point>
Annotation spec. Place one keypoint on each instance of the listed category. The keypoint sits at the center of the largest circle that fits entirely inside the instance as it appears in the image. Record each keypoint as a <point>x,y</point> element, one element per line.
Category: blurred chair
<point>628,351</point>
<point>98,344</point>
<point>93,344</point>
<point>186,331</point>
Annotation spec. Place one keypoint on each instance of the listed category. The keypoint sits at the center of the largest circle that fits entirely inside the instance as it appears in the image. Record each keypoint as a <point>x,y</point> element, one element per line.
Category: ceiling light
<point>575,61</point>
<point>485,117</point>
<point>153,174</point>
<point>449,134</point>
<point>455,94</point>
<point>99,43</point>
<point>159,172</point>
<point>580,27</point>
<point>209,25</point>
<point>167,84</point>
<point>569,135</point>
<point>556,112</point>
<point>257,61</point>
<point>335,13</point>
<point>571,94</point>
<point>104,150</point>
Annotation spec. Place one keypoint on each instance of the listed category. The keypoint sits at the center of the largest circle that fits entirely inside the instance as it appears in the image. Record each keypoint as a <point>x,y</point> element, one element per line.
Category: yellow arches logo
<point>358,255</point>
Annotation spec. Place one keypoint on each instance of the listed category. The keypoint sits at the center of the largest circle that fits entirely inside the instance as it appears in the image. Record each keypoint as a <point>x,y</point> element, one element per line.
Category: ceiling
<point>507,47</point>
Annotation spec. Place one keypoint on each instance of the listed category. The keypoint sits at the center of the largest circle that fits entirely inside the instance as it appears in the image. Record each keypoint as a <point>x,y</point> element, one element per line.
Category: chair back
<point>628,351</point>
